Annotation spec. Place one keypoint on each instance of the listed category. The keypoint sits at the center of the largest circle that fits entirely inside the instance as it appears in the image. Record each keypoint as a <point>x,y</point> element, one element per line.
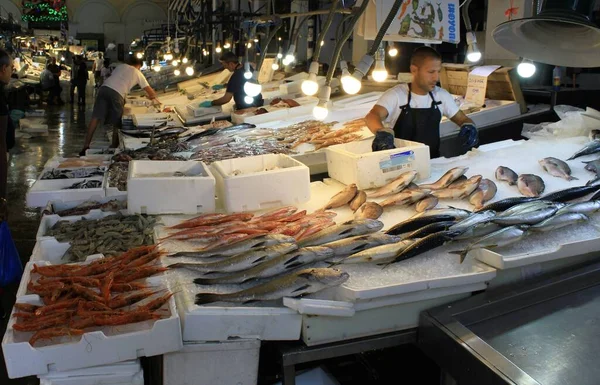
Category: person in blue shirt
<point>235,86</point>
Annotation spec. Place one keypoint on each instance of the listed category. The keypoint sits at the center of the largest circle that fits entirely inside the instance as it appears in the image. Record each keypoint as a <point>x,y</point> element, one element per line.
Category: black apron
<point>420,124</point>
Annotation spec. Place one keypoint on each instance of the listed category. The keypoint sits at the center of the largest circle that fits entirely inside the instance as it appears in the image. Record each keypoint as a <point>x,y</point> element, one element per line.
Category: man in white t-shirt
<point>97,67</point>
<point>110,100</point>
<point>414,111</point>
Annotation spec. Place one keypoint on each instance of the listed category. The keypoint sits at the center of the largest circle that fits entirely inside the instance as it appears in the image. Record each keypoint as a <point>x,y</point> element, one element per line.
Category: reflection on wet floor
<point>67,127</point>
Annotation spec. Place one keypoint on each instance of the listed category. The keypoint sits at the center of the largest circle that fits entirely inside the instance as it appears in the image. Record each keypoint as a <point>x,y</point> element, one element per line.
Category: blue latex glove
<point>384,140</point>
<point>206,104</point>
<point>217,87</point>
<point>470,136</point>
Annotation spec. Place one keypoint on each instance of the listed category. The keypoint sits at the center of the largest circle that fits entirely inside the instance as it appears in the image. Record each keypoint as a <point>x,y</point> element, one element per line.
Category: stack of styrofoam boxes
<point>261,182</point>
<point>356,162</point>
<point>121,373</point>
<point>152,188</point>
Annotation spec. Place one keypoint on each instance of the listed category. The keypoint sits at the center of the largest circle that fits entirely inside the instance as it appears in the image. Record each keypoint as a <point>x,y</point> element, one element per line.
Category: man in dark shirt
<point>56,89</point>
<point>235,87</point>
<point>6,128</point>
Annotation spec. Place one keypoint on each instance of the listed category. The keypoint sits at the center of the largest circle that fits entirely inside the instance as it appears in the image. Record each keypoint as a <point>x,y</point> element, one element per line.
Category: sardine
<point>404,198</point>
<point>429,229</point>
<point>306,281</point>
<point>507,175</point>
<point>558,221</point>
<point>590,148</point>
<point>499,238</point>
<point>427,203</point>
<point>527,218</point>
<point>589,207</point>
<point>557,168</point>
<point>570,193</point>
<point>276,266</point>
<point>395,186</point>
<point>378,254</point>
<point>593,166</point>
<point>474,219</point>
<point>341,231</point>
<point>369,210</point>
<point>459,193</point>
<point>353,245</point>
<point>241,261</point>
<point>479,230</point>
<point>342,198</point>
<point>237,248</point>
<point>484,192</point>
<point>415,224</point>
<point>451,211</point>
<point>530,185</point>
<point>425,244</point>
<point>446,179</point>
<point>359,199</point>
<point>507,203</point>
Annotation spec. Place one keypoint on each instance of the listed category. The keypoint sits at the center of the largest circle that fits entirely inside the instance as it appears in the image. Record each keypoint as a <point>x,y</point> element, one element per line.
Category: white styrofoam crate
<point>44,191</point>
<point>213,363</point>
<point>263,181</point>
<point>49,250</point>
<point>149,194</point>
<point>97,347</point>
<point>306,106</point>
<point>113,192</point>
<point>356,163</point>
<point>121,373</point>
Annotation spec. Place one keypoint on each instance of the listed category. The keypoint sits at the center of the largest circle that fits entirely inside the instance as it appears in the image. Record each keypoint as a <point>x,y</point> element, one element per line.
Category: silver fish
<point>378,254</point>
<point>590,148</point>
<point>395,186</point>
<point>454,212</point>
<point>530,185</point>
<point>342,198</point>
<point>404,198</point>
<point>353,245</point>
<point>459,193</point>
<point>359,199</point>
<point>559,221</point>
<point>276,266</point>
<point>556,167</point>
<point>446,179</point>
<point>427,203</point>
<point>588,207</point>
<point>369,210</point>
<point>528,207</point>
<point>593,182</point>
<point>473,220</point>
<point>238,248</point>
<point>484,192</point>
<point>341,231</point>
<point>306,281</point>
<point>507,175</point>
<point>593,165</point>
<point>527,218</point>
<point>499,238</point>
<point>479,230</point>
<point>241,261</point>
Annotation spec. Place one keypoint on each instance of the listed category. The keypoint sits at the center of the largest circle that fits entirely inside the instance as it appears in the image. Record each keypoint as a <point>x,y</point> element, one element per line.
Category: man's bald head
<point>421,54</point>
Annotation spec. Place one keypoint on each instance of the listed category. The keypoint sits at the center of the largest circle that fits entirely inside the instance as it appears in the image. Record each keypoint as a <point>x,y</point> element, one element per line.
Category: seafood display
<point>117,175</point>
<point>86,207</point>
<point>107,292</point>
<point>71,163</point>
<point>85,184</point>
<point>110,235</point>
<point>78,173</point>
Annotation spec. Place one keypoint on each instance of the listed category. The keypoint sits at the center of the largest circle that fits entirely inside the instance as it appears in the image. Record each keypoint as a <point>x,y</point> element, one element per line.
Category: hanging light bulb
<point>473,53</point>
<point>218,48</point>
<point>392,50</point>
<point>247,72</point>
<point>189,71</point>
<point>350,84</point>
<point>279,55</point>
<point>252,87</point>
<point>156,67</point>
<point>275,66</point>
<point>177,72</point>
<point>249,45</point>
<point>359,72</point>
<point>175,63</point>
<point>168,56</point>
<point>379,73</point>
<point>289,57</point>
<point>139,55</point>
<point>184,60</point>
<point>310,86</point>
<point>205,53</point>
<point>226,45</point>
<point>526,68</point>
<point>255,40</point>
<point>248,99</point>
<point>322,43</point>
<point>321,110</point>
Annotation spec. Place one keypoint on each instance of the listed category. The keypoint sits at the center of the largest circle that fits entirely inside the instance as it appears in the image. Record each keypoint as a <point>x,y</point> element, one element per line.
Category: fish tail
<point>204,281</point>
<point>462,253</point>
<point>572,178</point>
<point>204,298</point>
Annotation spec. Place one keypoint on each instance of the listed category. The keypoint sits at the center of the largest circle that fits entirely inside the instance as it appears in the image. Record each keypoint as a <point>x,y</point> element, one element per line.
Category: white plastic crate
<point>98,347</point>
<point>150,193</point>
<point>356,163</point>
<point>122,373</point>
<point>49,250</point>
<point>44,191</point>
<point>261,182</point>
<point>197,111</point>
<point>213,363</point>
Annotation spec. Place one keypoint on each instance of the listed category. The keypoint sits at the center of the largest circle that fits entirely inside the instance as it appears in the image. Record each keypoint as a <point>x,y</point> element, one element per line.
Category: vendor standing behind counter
<point>235,86</point>
<point>415,110</point>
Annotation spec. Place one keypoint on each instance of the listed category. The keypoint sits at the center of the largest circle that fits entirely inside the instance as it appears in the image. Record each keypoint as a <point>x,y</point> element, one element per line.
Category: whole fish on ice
<point>426,203</point>
<point>362,242</point>
<point>342,198</point>
<point>341,231</point>
<point>446,179</point>
<point>530,185</point>
<point>570,193</point>
<point>559,221</point>
<point>507,175</point>
<point>461,192</point>
<point>499,238</point>
<point>557,168</point>
<point>484,192</point>
<point>425,244</point>
<point>406,197</point>
<point>590,148</point>
<point>237,248</point>
<point>369,210</point>
<point>378,254</point>
<point>395,186</point>
<point>359,199</point>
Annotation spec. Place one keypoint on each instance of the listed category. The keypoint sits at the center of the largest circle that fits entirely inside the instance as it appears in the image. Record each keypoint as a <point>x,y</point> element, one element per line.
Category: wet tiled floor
<point>67,127</point>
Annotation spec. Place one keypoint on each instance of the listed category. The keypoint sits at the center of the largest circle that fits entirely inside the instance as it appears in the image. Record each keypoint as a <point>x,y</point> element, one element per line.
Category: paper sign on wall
<point>477,84</point>
<point>421,20</point>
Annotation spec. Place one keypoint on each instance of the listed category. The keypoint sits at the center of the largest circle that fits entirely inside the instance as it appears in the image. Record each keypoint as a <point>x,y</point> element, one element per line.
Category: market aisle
<point>66,126</point>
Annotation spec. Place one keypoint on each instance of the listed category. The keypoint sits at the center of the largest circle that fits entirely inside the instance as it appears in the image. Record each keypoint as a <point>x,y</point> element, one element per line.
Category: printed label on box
<point>398,161</point>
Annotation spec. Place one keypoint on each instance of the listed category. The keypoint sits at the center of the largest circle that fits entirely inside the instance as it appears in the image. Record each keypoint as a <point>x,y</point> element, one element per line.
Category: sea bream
<point>484,192</point>
<point>369,210</point>
<point>530,185</point>
<point>557,168</point>
<point>507,175</point>
<point>359,199</point>
<point>394,186</point>
<point>529,206</point>
<point>499,238</point>
<point>276,266</point>
<point>341,231</point>
<point>378,254</point>
<point>590,148</point>
<point>299,283</point>
<point>446,179</point>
